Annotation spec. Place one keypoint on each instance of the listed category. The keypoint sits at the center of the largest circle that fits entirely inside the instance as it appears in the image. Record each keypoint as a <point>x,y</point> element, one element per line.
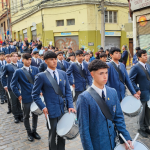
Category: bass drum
<point>137,146</point>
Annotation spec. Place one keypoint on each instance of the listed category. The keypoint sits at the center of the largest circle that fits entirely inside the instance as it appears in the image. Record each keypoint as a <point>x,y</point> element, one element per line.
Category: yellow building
<point>75,23</point>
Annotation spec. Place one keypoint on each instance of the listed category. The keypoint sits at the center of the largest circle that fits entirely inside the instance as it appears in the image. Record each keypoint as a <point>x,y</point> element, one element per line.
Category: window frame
<point>60,20</point>
<point>113,19</point>
<point>71,24</point>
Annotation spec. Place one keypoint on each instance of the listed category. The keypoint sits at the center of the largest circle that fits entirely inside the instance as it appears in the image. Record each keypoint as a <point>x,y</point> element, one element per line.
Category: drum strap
<point>102,105</point>
<point>80,70</point>
<point>27,74</point>
<point>145,71</point>
<point>54,84</point>
<point>118,70</point>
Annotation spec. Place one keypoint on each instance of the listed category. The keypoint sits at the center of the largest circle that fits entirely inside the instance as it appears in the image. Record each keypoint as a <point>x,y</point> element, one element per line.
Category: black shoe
<point>21,119</point>
<point>2,102</point>
<point>147,131</point>
<point>36,135</point>
<point>143,133</point>
<point>30,137</point>
<point>5,101</point>
<point>9,112</point>
<point>16,120</point>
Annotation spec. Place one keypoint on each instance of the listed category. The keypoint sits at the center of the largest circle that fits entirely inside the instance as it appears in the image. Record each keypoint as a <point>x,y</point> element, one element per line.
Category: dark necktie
<point>15,65</point>
<point>29,70</point>
<point>2,63</point>
<point>103,95</point>
<point>55,76</point>
<point>81,66</point>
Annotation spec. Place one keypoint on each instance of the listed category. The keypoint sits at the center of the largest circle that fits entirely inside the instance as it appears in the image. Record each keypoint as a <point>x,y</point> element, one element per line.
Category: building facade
<point>70,23</point>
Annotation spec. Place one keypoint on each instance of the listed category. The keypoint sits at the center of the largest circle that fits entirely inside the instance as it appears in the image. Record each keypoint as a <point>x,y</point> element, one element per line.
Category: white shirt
<point>81,64</point>
<point>99,91</point>
<point>3,62</point>
<point>35,59</point>
<point>27,68</point>
<point>117,64</point>
<point>143,64</point>
<point>15,64</point>
<point>61,61</point>
<point>56,73</point>
<point>1,49</point>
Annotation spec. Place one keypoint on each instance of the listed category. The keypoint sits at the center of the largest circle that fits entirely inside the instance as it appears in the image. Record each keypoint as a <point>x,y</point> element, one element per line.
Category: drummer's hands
<point>138,92</point>
<point>72,110</point>
<point>73,86</point>
<point>41,94</point>
<point>137,96</point>
<point>130,143</point>
<point>45,111</point>
<point>20,98</point>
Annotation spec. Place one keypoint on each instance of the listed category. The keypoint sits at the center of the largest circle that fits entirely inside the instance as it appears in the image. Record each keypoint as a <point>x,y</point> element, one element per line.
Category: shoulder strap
<point>61,66</point>
<point>80,70</point>
<point>118,70</point>
<point>145,71</point>
<point>53,83</point>
<point>102,105</point>
<point>14,67</point>
<point>27,74</point>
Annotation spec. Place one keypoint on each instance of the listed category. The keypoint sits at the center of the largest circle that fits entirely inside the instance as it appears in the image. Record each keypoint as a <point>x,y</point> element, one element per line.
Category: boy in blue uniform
<point>35,60</point>
<point>79,75</point>
<point>20,77</point>
<point>140,78</point>
<point>135,59</point>
<point>54,102</point>
<point>96,130</point>
<point>118,76</point>
<point>8,72</point>
<point>7,49</point>
<point>12,48</point>
<point>61,64</point>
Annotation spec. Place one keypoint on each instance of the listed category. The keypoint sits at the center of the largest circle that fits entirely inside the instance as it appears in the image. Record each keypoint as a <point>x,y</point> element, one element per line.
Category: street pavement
<point>13,136</point>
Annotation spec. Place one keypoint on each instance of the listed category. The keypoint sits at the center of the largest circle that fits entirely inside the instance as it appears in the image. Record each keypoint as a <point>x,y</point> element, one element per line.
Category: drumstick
<point>8,94</point>
<point>135,138</point>
<point>48,122</point>
<point>125,140</point>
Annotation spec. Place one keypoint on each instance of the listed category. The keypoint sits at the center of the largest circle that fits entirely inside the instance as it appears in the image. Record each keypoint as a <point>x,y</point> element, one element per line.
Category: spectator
<point>42,50</point>
<point>14,43</point>
<point>108,55</point>
<point>103,56</point>
<point>30,49</point>
<point>45,49</point>
<point>124,55</point>
<point>20,46</point>
<point>87,57</point>
<point>97,55</point>
<point>82,49</point>
<point>33,43</point>
<point>35,48</point>
<point>25,48</point>
<point>39,45</point>
<point>91,56</point>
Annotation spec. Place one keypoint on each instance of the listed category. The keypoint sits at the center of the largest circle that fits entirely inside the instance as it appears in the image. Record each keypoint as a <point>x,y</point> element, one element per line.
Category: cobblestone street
<point>13,136</point>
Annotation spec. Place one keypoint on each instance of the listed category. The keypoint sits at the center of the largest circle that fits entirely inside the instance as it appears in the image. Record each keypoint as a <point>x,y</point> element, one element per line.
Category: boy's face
<point>51,63</point>
<point>143,58</point>
<point>116,55</point>
<point>60,57</point>
<point>19,58</point>
<point>103,59</point>
<point>8,60</point>
<point>100,76</point>
<point>79,58</point>
<point>87,57</point>
<point>27,62</point>
<point>72,58</point>
<point>14,58</point>
<point>42,57</point>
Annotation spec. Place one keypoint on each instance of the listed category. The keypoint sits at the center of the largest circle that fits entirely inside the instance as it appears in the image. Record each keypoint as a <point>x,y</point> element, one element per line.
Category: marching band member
<point>54,102</point>
<point>97,131</point>
<point>140,75</point>
<point>2,91</point>
<point>118,76</point>
<point>61,64</point>
<point>25,78</point>
<point>42,67</point>
<point>6,79</point>
<point>72,57</point>
<point>35,60</point>
<point>81,75</point>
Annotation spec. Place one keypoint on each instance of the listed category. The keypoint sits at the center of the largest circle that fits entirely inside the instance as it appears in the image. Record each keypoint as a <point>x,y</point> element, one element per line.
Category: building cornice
<point>53,5</point>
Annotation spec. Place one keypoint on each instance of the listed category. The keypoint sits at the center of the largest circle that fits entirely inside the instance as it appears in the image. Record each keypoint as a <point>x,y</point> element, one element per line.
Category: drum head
<point>33,107</point>
<point>137,146</point>
<point>65,124</point>
<point>130,105</point>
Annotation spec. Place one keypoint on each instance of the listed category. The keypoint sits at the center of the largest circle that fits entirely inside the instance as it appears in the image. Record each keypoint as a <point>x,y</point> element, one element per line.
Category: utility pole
<point>102,24</point>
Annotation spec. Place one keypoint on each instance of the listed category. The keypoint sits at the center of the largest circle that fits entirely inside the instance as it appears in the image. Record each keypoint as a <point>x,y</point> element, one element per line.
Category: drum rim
<point>136,141</point>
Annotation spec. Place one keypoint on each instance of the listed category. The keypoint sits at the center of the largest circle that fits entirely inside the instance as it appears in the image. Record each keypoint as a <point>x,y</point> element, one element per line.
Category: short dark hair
<point>86,54</point>
<point>102,55</point>
<point>59,52</point>
<point>140,52</point>
<point>7,55</point>
<point>114,49</point>
<point>26,56</point>
<point>69,48</point>
<point>91,53</point>
<point>13,54</point>
<point>49,54</point>
<point>137,48</point>
<point>79,52</point>
<point>107,50</point>
<point>82,48</point>
<point>96,65</point>
<point>71,54</point>
<point>35,52</point>
<point>2,53</point>
<point>19,55</point>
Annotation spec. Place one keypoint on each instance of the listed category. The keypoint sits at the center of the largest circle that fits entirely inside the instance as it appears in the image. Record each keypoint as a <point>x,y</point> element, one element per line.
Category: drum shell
<point>38,112</point>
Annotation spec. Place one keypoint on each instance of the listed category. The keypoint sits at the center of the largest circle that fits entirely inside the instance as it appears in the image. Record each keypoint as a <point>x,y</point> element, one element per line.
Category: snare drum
<point>131,106</point>
<point>67,126</point>
<point>35,109</point>
<point>137,146</point>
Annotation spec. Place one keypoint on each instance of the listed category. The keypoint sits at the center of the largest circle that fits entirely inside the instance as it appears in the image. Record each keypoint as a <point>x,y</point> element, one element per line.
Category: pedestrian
<point>135,58</point>
<point>140,78</point>
<point>95,126</point>
<point>25,48</point>
<point>103,56</point>
<point>6,79</point>
<point>20,46</point>
<point>124,55</point>
<point>39,46</point>
<point>91,56</point>
<point>79,75</point>
<point>71,57</point>
<point>54,107</point>
<point>21,77</point>
<point>42,50</point>
<point>118,76</point>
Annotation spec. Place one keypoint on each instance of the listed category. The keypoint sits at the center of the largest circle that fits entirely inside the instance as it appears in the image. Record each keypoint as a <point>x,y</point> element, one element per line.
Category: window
<point>70,22</point>
<point>60,22</point>
<point>111,16</point>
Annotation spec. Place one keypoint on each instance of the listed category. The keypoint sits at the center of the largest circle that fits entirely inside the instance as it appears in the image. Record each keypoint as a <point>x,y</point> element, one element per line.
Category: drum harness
<point>105,110</point>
